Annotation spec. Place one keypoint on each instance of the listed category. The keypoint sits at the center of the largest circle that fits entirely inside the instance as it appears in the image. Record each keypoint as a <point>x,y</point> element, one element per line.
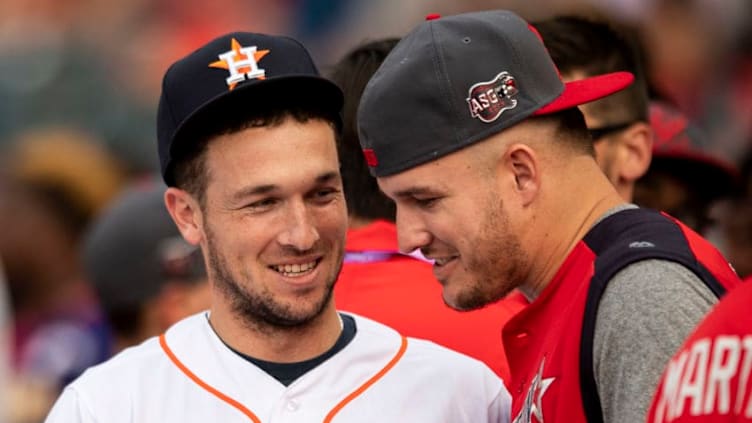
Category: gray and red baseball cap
<point>232,72</point>
<point>683,150</point>
<point>456,80</point>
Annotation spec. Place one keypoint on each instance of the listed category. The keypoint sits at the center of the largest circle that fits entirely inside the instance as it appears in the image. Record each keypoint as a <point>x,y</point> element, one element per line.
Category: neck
<point>277,344</point>
<point>626,190</point>
<point>574,207</point>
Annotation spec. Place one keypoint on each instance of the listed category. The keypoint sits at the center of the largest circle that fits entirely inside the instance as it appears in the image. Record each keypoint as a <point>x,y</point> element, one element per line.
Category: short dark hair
<point>571,130</point>
<point>189,166</point>
<point>352,73</point>
<point>595,46</point>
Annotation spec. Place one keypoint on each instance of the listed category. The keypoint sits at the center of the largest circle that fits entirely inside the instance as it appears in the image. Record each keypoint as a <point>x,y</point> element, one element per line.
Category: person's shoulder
<point>658,277</point>
<point>130,365</point>
<point>424,355</point>
<point>444,359</point>
<point>123,364</point>
<point>652,291</point>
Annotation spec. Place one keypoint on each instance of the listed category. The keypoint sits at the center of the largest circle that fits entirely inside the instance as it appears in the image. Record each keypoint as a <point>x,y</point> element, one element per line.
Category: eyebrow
<point>327,177</point>
<point>267,188</point>
<point>414,191</point>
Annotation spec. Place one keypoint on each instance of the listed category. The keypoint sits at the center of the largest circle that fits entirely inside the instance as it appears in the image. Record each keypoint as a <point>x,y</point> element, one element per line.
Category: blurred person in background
<point>699,58</point>
<point>57,180</point>
<point>376,280</point>
<point>582,47</point>
<point>58,330</point>
<point>70,164</point>
<point>736,231</point>
<point>685,178</point>
<point>735,221</point>
<point>145,275</point>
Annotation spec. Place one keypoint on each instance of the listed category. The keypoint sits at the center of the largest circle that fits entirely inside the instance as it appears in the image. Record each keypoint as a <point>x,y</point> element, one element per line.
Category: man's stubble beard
<point>260,311</point>
<point>496,269</point>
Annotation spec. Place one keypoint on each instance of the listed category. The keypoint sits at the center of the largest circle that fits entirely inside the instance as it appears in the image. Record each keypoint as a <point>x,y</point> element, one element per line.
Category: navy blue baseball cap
<point>457,80</point>
<point>233,71</point>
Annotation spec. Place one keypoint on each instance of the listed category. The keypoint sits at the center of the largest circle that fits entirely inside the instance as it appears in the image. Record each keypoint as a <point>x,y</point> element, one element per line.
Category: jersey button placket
<point>292,405</point>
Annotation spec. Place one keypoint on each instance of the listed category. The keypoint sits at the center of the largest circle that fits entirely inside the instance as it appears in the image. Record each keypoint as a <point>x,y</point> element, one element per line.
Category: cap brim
<point>724,173</point>
<point>708,177</point>
<point>586,90</point>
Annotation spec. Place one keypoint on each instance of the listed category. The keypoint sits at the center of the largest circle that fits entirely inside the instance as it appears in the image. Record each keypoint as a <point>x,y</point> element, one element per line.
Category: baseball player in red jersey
<point>469,128</point>
<point>246,132</point>
<point>374,272</point>
<point>708,379</point>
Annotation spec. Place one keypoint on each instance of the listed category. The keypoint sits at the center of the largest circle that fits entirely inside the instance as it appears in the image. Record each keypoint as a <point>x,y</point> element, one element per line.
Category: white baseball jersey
<point>189,375</point>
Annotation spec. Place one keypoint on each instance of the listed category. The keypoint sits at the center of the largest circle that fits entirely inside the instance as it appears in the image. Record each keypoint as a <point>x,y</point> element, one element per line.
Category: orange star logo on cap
<point>241,62</point>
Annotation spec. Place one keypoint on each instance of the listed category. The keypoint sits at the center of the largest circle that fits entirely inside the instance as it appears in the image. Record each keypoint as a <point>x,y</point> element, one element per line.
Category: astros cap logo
<point>242,62</point>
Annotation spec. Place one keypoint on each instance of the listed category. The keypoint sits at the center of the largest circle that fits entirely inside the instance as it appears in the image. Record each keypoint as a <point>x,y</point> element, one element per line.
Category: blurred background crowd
<point>79,84</point>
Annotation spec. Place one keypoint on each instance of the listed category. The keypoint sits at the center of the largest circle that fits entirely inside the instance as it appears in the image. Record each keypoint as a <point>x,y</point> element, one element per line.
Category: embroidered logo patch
<point>487,100</point>
<point>241,62</point>
<point>533,405</point>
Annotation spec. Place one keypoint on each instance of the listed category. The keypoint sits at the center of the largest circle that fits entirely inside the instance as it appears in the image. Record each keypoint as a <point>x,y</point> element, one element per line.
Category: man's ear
<point>636,151</point>
<point>186,213</point>
<point>523,163</point>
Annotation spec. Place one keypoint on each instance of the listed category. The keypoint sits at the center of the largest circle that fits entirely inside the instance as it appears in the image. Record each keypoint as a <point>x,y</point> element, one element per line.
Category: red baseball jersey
<point>549,344</point>
<point>708,380</point>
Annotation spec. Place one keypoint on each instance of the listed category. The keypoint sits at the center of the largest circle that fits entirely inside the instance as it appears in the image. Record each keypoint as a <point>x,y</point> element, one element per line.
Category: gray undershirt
<point>645,313</point>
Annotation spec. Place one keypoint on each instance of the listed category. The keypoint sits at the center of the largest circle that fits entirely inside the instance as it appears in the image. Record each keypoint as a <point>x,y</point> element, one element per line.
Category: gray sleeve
<point>645,313</point>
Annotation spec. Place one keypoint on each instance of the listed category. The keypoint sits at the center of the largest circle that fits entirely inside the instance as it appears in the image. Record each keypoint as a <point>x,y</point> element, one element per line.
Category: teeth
<point>294,269</point>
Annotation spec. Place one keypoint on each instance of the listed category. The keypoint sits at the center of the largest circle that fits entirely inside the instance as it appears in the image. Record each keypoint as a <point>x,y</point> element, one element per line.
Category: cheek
<point>454,229</point>
<point>332,220</point>
<point>239,238</point>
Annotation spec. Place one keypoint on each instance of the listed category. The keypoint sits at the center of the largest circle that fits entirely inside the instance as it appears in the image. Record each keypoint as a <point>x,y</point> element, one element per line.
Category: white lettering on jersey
<point>742,394</point>
<point>700,380</point>
<point>693,381</point>
<point>723,365</point>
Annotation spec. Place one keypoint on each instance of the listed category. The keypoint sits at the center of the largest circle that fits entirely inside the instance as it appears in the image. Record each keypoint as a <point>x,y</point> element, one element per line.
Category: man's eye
<point>324,195</point>
<point>262,204</point>
<point>426,202</point>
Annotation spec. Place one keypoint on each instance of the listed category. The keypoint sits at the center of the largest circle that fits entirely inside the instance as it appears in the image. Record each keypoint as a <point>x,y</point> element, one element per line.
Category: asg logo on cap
<point>487,100</point>
<point>242,62</point>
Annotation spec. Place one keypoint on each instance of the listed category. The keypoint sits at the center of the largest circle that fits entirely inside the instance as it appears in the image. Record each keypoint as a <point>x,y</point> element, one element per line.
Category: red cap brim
<point>586,90</point>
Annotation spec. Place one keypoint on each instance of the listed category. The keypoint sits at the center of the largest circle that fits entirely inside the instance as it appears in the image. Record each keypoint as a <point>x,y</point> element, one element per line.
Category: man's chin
<point>465,300</point>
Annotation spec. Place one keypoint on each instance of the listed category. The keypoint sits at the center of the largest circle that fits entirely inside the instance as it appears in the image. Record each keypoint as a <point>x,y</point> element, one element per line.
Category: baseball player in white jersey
<point>246,131</point>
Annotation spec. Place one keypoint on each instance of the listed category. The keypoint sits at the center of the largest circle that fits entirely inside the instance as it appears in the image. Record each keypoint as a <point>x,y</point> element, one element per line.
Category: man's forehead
<point>421,180</point>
